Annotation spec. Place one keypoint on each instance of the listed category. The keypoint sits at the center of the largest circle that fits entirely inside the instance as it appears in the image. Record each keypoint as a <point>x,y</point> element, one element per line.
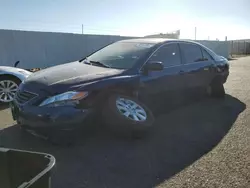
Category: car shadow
<point>180,137</point>
<point>4,106</point>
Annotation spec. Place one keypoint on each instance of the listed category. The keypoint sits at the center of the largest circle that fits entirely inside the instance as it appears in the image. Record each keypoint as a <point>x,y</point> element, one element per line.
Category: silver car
<point>10,78</point>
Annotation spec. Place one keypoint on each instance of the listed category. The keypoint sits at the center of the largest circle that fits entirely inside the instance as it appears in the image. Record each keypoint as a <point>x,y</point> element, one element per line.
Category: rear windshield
<point>121,55</point>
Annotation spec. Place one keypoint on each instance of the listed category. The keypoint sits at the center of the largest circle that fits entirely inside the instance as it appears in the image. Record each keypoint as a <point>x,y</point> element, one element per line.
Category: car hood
<point>67,75</point>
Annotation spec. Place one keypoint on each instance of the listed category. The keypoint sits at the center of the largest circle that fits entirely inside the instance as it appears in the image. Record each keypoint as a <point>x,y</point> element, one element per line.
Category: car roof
<point>147,40</point>
<point>156,40</point>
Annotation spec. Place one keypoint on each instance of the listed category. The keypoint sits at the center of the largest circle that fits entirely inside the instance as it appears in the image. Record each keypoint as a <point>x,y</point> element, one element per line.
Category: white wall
<point>220,47</point>
<point>44,49</point>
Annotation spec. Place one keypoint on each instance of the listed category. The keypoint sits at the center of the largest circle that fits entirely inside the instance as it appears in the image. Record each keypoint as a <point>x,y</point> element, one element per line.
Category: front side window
<point>206,55</point>
<point>169,55</point>
<point>191,53</point>
<point>121,55</point>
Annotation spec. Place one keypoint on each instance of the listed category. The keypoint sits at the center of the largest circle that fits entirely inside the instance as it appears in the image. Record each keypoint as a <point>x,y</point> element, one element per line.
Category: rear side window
<point>191,53</point>
<point>169,55</point>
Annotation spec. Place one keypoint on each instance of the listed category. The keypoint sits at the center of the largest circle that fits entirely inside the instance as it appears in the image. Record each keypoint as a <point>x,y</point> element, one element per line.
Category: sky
<point>214,19</point>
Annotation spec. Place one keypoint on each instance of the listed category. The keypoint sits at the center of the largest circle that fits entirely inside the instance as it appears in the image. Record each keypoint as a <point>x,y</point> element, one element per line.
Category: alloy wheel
<point>8,89</point>
<point>131,109</point>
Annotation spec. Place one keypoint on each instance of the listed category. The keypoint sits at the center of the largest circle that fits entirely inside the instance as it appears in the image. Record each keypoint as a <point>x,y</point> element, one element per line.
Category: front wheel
<point>126,114</point>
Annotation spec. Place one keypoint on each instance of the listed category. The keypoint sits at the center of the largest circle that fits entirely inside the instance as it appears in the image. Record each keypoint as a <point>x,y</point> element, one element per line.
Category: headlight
<point>71,97</point>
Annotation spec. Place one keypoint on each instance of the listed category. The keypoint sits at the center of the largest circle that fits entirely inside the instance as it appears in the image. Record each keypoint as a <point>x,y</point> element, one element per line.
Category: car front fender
<point>21,74</point>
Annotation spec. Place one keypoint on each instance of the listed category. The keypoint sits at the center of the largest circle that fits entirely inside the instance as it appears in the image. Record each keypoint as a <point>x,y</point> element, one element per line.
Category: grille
<point>24,96</point>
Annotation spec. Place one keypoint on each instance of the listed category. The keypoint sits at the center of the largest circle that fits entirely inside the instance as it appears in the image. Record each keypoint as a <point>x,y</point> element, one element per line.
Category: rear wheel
<point>8,88</point>
<point>127,115</point>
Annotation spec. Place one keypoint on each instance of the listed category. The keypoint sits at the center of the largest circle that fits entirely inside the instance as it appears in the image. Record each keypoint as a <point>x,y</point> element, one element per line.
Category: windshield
<point>120,55</point>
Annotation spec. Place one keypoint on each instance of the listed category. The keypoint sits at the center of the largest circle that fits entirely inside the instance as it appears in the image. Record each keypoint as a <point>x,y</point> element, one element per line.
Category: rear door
<point>198,66</point>
<point>160,85</point>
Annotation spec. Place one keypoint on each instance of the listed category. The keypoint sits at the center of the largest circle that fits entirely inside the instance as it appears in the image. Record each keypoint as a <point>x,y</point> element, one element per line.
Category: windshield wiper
<point>99,64</point>
<point>96,63</point>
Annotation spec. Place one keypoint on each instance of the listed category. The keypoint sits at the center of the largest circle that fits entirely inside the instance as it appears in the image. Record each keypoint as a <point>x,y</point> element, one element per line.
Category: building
<point>173,35</point>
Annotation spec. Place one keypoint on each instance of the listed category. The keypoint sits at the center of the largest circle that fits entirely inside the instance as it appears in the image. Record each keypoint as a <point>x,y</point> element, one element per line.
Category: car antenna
<point>16,63</point>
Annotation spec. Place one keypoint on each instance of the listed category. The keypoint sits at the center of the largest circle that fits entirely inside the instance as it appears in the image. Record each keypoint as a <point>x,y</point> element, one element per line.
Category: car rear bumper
<point>51,118</point>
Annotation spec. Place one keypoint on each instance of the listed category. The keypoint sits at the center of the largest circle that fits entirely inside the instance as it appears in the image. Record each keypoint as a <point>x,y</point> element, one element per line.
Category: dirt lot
<point>204,144</point>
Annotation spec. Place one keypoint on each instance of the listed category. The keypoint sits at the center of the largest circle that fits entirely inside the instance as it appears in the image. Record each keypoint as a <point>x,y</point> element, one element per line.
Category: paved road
<point>203,144</point>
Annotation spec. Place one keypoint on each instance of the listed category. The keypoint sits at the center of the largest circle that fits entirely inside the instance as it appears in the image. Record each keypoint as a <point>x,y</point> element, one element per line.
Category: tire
<point>14,81</point>
<point>216,90</point>
<point>123,125</point>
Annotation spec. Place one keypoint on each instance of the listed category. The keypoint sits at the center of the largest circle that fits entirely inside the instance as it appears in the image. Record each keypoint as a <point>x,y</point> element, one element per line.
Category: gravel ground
<point>203,144</point>
<point>228,164</point>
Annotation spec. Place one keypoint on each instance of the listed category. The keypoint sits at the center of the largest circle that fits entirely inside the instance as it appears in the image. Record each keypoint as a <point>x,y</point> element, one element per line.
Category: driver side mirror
<point>154,66</point>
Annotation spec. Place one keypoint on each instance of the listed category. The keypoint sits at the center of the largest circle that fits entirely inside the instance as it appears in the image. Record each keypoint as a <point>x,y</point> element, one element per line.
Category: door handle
<point>206,68</point>
<point>182,72</point>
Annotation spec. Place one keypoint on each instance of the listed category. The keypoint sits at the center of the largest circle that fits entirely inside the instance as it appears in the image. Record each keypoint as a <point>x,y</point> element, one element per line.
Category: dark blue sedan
<point>119,83</point>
